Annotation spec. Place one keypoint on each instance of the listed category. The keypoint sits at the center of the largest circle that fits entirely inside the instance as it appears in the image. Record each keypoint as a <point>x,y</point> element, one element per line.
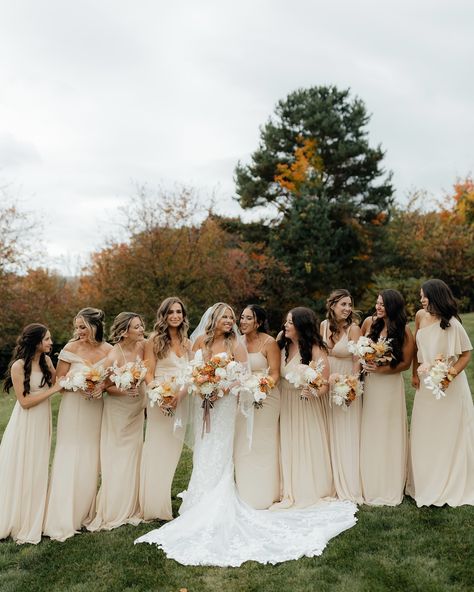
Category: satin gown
<point>442,431</point>
<point>383,440</point>
<point>161,450</point>
<point>76,466</point>
<point>344,427</point>
<point>24,465</point>
<point>121,444</point>
<point>257,469</point>
<point>305,460</point>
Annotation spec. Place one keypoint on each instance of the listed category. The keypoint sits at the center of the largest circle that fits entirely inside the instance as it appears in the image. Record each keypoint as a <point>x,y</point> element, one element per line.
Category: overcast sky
<point>97,94</point>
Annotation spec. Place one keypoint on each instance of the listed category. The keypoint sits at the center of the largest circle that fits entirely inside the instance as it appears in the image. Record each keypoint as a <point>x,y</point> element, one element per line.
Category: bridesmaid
<point>383,446</point>
<point>75,473</point>
<point>167,352</point>
<point>122,431</point>
<point>344,422</point>
<point>24,451</point>
<point>442,431</point>
<point>305,460</point>
<point>257,471</point>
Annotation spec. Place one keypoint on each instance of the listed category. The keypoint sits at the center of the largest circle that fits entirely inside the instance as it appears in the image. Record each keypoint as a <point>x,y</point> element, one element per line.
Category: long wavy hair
<point>25,349</point>
<point>121,325</point>
<point>215,315</point>
<point>331,301</point>
<point>161,335</point>
<point>441,301</point>
<point>396,319</point>
<point>260,317</point>
<point>93,319</point>
<point>307,329</point>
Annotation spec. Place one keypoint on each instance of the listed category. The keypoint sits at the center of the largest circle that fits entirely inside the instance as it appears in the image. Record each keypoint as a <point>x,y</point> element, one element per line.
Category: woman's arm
<point>149,359</point>
<point>354,334</point>
<point>273,354</point>
<point>18,377</point>
<point>415,379</point>
<point>462,362</point>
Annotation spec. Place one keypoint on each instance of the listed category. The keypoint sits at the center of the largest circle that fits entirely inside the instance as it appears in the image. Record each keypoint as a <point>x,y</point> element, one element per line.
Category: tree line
<point>329,220</point>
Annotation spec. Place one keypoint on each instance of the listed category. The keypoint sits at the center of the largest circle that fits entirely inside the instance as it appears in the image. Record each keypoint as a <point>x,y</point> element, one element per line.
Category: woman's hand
<point>133,392</point>
<point>415,381</point>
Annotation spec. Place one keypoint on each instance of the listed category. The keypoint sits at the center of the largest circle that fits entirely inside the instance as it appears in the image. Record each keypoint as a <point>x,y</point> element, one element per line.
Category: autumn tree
<point>315,165</point>
<point>172,247</point>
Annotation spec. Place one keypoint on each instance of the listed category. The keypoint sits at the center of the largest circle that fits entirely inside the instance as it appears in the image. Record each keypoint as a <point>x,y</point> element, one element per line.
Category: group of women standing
<point>301,450</point>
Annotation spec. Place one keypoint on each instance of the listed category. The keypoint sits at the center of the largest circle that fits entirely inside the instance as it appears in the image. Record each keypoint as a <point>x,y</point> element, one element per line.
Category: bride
<point>215,526</point>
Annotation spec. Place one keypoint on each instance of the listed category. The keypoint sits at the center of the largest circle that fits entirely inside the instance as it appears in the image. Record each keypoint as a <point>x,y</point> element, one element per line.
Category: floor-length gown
<point>344,427</point>
<point>75,473</point>
<point>383,440</point>
<point>161,450</point>
<point>442,431</point>
<point>305,459</point>
<point>217,528</point>
<point>257,469</point>
<point>24,463</point>
<point>121,444</point>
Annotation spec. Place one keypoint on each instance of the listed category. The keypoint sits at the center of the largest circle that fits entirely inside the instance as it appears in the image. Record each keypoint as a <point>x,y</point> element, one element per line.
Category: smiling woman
<point>25,447</point>
<point>75,472</point>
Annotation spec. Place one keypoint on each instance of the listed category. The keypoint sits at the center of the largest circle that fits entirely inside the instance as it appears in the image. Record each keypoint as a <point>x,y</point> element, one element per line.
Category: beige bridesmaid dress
<point>305,461</point>
<point>257,469</point>
<point>24,463</point>
<point>383,440</point>
<point>121,444</point>
<point>75,473</point>
<point>344,428</point>
<point>161,450</point>
<point>442,431</point>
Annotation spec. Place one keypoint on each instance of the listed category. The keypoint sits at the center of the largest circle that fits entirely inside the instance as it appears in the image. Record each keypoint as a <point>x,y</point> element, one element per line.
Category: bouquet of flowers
<point>308,375</point>
<point>438,375</point>
<point>128,376</point>
<point>345,388</point>
<point>258,387</point>
<point>379,352</point>
<point>163,393</point>
<point>85,380</point>
<point>212,380</point>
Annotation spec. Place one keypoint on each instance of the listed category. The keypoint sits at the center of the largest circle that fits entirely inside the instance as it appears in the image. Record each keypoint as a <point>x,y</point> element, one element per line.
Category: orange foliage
<point>306,167</point>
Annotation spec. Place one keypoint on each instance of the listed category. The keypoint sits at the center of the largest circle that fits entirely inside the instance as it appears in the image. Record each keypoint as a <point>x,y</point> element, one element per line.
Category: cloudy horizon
<point>96,96</point>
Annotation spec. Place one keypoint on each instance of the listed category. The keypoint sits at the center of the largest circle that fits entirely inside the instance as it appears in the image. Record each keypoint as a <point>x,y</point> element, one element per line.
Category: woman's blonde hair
<point>121,325</point>
<point>94,320</point>
<point>332,300</point>
<point>215,315</point>
<point>161,336</point>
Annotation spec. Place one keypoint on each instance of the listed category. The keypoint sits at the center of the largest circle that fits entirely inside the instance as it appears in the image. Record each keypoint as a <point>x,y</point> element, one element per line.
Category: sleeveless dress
<point>344,427</point>
<point>121,444</point>
<point>442,431</point>
<point>257,471</point>
<point>305,460</point>
<point>383,440</point>
<point>217,528</point>
<point>161,451</point>
<point>24,463</point>
<point>75,473</point>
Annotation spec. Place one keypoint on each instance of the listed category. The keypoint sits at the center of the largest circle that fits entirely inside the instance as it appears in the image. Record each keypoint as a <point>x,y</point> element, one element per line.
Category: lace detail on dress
<point>217,528</point>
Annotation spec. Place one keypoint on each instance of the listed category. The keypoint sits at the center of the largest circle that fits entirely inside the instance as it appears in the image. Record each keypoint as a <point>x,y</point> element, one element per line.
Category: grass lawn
<point>390,549</point>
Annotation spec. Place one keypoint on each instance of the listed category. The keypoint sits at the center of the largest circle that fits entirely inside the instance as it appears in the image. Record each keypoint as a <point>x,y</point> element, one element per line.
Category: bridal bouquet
<point>345,388</point>
<point>163,393</point>
<point>128,376</point>
<point>85,380</point>
<point>379,352</point>
<point>438,376</point>
<point>212,380</point>
<point>258,387</point>
<point>308,375</point>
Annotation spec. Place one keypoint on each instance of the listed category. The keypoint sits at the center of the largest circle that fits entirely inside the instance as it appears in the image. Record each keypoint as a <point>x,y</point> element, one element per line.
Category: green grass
<point>390,549</point>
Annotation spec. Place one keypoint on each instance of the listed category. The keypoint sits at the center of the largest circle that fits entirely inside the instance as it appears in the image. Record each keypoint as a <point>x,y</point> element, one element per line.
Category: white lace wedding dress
<point>217,528</point>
